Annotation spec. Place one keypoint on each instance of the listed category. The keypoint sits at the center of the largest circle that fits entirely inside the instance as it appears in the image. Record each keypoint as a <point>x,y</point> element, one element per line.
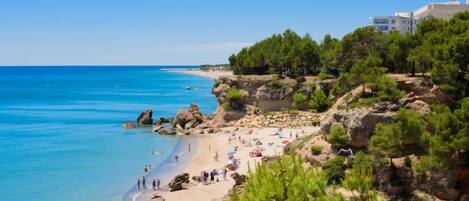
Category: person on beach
<point>212,177</point>
<point>189,148</point>
<point>176,158</point>
<point>158,182</point>
<point>138,183</point>
<point>153,184</point>
<point>216,155</point>
<point>145,169</point>
<point>224,173</point>
<point>143,182</point>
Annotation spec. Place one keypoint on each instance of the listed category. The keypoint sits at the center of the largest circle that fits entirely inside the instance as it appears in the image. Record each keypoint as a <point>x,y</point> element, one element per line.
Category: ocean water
<point>60,128</point>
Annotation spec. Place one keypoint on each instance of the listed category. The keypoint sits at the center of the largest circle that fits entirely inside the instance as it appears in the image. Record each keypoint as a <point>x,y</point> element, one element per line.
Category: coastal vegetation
<point>407,144</point>
<point>234,99</point>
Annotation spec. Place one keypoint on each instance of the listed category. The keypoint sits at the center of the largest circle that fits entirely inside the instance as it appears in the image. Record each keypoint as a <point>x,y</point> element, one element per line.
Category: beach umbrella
<point>231,153</point>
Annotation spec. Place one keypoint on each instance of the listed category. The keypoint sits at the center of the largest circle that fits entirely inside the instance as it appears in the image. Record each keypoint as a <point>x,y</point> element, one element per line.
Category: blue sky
<point>167,32</point>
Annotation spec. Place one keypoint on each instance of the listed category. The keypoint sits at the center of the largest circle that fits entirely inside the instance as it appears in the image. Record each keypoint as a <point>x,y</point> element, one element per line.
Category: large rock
<point>129,124</point>
<point>167,131</point>
<point>419,106</point>
<point>145,118</point>
<point>195,111</point>
<point>441,183</point>
<point>239,179</point>
<point>359,122</point>
<point>187,119</point>
<point>178,182</point>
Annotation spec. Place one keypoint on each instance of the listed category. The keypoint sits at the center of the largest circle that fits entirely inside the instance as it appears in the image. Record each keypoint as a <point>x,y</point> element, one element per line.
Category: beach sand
<point>203,158</point>
<point>207,74</point>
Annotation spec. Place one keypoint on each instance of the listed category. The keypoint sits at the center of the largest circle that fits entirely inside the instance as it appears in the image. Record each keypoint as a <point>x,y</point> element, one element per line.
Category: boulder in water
<point>129,124</point>
<point>145,118</point>
<point>167,131</point>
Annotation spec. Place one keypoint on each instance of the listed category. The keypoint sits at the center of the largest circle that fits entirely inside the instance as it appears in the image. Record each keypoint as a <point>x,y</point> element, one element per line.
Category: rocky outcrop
<point>442,184</point>
<point>419,106</point>
<point>129,124</point>
<point>239,179</point>
<point>359,122</point>
<point>166,131</point>
<point>418,89</point>
<point>279,119</point>
<point>145,118</point>
<point>187,119</point>
<point>178,182</point>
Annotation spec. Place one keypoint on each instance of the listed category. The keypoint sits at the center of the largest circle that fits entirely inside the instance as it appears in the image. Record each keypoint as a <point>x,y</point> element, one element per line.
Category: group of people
<point>141,184</point>
<point>208,177</point>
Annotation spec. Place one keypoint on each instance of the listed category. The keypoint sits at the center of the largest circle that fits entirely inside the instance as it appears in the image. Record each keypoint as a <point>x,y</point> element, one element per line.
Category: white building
<point>402,21</point>
<point>440,10</point>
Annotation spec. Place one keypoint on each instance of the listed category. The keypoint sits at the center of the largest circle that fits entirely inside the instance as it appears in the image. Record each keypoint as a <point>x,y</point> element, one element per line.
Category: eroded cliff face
<point>264,97</point>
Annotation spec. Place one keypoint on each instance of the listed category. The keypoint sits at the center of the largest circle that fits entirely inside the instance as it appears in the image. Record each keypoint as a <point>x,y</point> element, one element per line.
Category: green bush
<point>293,113</point>
<point>407,162</point>
<point>344,84</point>
<point>325,76</point>
<point>234,99</point>
<point>338,137</point>
<point>316,150</point>
<point>334,170</point>
<point>300,101</point>
<point>387,89</point>
<point>286,179</point>
<point>275,84</point>
<point>319,101</point>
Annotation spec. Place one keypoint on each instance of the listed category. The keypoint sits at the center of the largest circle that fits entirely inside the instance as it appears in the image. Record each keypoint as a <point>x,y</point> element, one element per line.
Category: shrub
<point>387,89</point>
<point>345,83</point>
<point>334,170</point>
<point>293,113</point>
<point>275,84</point>
<point>325,76</point>
<point>234,99</point>
<point>316,150</point>
<point>338,137</point>
<point>300,101</point>
<point>407,162</point>
<point>320,102</point>
<point>286,179</point>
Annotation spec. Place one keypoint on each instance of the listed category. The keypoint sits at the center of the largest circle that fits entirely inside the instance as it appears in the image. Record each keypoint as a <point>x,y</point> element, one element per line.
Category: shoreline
<point>166,170</point>
<point>197,72</point>
<point>203,159</point>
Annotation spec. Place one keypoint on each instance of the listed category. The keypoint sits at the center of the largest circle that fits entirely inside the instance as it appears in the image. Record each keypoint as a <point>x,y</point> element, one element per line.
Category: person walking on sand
<point>216,155</point>
<point>189,148</point>
<point>176,158</point>
<point>158,182</point>
<point>138,183</point>
<point>224,174</point>
<point>143,182</point>
<point>153,184</point>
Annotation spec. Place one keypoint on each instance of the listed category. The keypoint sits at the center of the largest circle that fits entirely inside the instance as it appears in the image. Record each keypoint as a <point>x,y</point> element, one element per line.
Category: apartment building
<point>407,22</point>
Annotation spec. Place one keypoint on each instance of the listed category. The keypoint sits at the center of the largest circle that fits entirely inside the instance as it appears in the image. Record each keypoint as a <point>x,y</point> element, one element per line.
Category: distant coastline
<point>211,74</point>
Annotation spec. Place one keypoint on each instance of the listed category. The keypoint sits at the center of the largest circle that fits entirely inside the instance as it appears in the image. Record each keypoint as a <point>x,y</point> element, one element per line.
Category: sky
<point>168,32</point>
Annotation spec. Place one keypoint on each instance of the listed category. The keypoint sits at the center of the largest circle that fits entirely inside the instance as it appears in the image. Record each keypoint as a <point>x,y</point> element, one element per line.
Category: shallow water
<point>61,135</point>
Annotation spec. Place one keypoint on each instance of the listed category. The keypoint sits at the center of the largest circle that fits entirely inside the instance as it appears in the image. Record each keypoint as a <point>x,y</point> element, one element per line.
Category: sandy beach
<point>203,158</point>
<point>207,74</point>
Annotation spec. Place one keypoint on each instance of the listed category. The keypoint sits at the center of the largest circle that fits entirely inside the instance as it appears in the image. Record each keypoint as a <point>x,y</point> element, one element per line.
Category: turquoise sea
<point>60,128</point>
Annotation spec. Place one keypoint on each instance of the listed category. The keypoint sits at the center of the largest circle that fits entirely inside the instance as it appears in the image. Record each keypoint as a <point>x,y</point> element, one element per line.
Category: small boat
<point>188,88</point>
